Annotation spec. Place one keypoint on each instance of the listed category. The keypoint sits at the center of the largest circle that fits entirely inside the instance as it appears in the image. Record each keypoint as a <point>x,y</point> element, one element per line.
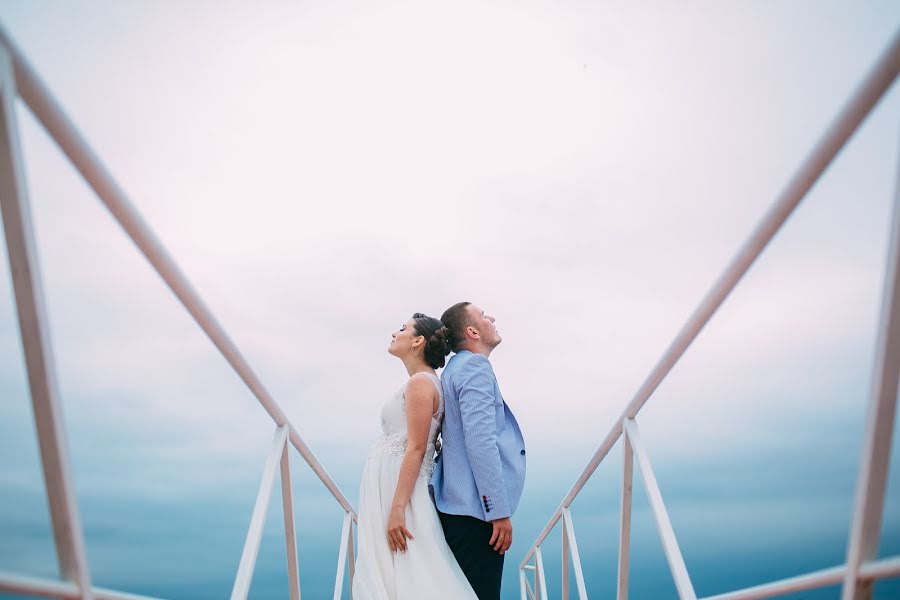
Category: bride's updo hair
<point>437,342</point>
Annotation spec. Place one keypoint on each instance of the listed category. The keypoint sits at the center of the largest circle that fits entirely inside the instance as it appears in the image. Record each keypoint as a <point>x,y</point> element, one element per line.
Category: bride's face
<point>404,339</point>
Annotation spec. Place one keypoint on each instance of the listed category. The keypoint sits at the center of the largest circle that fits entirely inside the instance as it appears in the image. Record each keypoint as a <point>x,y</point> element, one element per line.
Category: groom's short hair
<point>456,319</point>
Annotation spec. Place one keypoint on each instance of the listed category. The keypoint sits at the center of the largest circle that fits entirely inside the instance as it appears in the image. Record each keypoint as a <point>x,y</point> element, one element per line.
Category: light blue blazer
<point>481,468</point>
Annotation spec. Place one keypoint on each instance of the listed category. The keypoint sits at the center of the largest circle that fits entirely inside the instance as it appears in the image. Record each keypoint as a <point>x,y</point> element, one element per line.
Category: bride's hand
<point>397,531</point>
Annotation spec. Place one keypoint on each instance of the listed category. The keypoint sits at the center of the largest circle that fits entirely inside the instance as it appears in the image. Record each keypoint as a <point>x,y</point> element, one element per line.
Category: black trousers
<point>468,538</point>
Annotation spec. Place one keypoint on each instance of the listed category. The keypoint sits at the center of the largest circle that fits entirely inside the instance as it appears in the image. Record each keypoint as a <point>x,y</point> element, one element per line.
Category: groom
<point>480,472</point>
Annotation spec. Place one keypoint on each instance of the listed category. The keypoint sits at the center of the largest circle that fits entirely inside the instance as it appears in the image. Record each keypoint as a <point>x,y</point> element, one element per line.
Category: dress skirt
<point>428,568</point>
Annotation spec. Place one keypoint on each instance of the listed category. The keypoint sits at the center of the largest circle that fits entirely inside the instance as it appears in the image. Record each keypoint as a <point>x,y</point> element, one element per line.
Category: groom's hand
<point>501,539</point>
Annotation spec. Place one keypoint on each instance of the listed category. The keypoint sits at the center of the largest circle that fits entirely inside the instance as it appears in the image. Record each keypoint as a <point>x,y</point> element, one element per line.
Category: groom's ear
<point>472,331</point>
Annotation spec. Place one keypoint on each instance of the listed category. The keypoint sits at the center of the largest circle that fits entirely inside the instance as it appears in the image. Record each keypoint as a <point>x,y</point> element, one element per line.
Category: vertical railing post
<point>19,80</point>
<point>565,563</point>
<point>33,325</point>
<point>258,520</point>
<point>351,559</point>
<point>532,595</point>
<point>342,556</point>
<point>864,98</point>
<point>290,531</point>
<point>661,516</point>
<point>868,505</point>
<point>625,523</point>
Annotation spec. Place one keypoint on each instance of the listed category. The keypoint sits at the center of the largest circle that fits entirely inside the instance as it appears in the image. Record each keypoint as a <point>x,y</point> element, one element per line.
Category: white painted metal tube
<point>569,528</point>
<point>625,520</point>
<point>660,514</point>
<point>800,583</point>
<point>554,519</point>
<point>33,586</point>
<point>523,592</point>
<point>342,557</point>
<point>104,594</point>
<point>35,335</point>
<point>528,589</point>
<point>290,530</point>
<point>46,588</point>
<point>351,558</point>
<point>861,102</point>
<point>541,581</point>
<point>50,114</point>
<point>565,563</point>
<point>868,505</point>
<point>258,520</point>
<point>881,569</point>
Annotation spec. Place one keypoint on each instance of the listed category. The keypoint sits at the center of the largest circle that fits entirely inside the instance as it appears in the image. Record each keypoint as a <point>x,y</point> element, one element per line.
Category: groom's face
<point>484,324</point>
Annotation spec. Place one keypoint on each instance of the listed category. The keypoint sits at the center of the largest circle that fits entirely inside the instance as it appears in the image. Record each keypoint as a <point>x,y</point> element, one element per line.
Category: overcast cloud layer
<point>582,171</point>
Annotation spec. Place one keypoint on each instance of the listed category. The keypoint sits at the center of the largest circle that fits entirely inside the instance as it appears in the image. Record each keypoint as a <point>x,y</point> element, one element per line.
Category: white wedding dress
<point>428,569</point>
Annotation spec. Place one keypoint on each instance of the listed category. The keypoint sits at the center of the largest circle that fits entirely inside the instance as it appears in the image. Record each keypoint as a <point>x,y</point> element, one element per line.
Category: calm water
<point>189,548</point>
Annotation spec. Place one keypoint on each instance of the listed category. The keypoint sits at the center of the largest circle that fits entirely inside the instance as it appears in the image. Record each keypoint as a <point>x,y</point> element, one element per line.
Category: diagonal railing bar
<point>572,543</point>
<point>258,519</point>
<point>660,514</point>
<point>870,571</point>
<point>800,583</point>
<point>17,78</point>
<point>880,569</point>
<point>540,581</point>
<point>105,594</point>
<point>528,588</point>
<point>35,586</point>
<point>861,102</point>
<point>868,507</point>
<point>50,114</point>
<point>35,335</point>
<point>290,535</point>
<point>525,592</point>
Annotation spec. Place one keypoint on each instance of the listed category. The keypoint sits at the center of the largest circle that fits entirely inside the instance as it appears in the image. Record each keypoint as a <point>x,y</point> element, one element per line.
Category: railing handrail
<point>860,567</point>
<point>40,101</point>
<point>874,85</point>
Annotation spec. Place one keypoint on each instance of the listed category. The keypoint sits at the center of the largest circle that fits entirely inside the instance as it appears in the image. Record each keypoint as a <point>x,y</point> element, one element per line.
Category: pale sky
<point>582,171</point>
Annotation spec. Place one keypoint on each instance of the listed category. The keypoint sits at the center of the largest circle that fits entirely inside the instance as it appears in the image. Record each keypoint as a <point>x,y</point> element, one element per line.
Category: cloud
<point>322,171</point>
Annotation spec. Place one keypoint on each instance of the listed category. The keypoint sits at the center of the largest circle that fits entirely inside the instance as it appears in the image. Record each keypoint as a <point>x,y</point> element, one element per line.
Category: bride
<point>402,553</point>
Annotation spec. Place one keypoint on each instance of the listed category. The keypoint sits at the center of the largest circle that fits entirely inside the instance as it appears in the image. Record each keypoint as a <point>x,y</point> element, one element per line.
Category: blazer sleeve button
<point>522,453</point>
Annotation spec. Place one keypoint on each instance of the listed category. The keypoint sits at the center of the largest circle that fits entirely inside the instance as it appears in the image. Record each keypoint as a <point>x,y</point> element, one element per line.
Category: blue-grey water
<point>739,524</point>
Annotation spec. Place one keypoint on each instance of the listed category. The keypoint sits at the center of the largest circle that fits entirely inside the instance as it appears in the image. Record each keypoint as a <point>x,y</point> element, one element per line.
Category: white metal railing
<point>18,79</point>
<point>861,568</point>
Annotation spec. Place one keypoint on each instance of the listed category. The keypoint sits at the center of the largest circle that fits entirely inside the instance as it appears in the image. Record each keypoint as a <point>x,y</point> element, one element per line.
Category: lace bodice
<point>394,429</point>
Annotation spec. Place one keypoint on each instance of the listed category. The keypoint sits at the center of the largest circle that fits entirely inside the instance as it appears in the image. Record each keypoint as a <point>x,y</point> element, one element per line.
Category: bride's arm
<point>420,397</point>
